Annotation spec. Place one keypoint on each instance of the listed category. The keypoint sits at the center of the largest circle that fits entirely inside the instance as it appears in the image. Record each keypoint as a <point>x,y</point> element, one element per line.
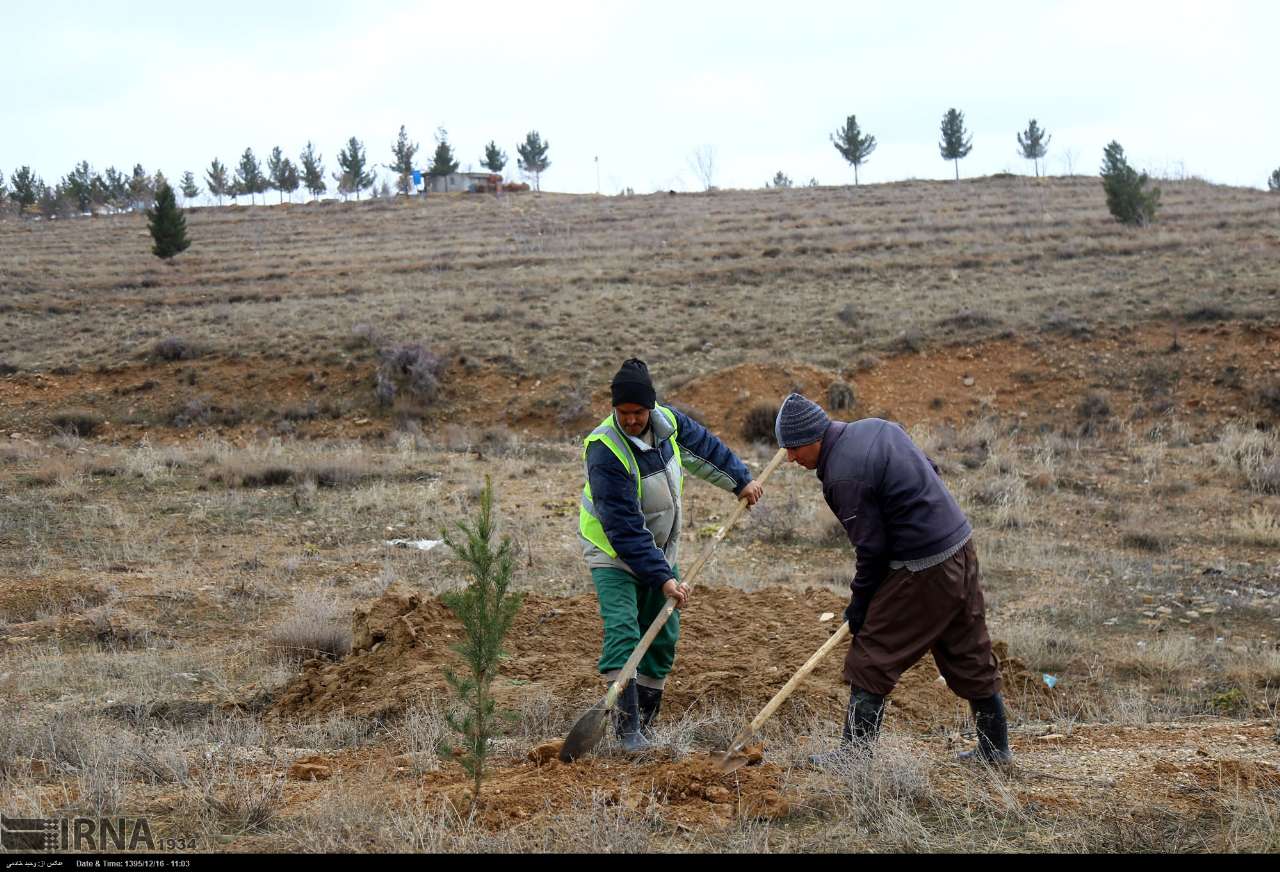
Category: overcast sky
<point>1186,87</point>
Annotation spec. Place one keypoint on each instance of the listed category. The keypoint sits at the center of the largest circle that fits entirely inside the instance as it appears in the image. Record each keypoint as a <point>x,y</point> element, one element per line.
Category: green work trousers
<point>628,607</point>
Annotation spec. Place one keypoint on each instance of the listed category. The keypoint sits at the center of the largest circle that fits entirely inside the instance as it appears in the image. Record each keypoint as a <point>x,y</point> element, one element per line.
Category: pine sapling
<point>1129,197</point>
<point>486,608</point>
<point>168,227</point>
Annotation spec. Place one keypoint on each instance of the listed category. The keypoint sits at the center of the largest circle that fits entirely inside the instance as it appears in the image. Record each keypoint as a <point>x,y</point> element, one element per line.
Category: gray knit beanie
<point>801,421</point>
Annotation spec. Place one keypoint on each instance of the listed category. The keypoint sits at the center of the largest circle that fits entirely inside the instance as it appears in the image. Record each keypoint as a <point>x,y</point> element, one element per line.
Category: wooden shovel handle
<point>628,670</point>
<point>780,697</point>
<point>733,519</point>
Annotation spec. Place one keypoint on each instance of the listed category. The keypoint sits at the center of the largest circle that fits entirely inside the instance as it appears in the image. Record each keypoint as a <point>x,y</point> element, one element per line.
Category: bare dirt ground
<point>200,621</point>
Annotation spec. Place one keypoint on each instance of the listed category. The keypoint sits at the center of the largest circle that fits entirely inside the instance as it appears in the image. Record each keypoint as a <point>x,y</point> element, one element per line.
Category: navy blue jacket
<point>890,500</point>
<point>613,492</point>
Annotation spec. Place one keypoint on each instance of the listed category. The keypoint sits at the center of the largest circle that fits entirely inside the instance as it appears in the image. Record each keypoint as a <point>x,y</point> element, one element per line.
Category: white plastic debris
<point>826,616</point>
<point>1049,680</point>
<point>420,544</point>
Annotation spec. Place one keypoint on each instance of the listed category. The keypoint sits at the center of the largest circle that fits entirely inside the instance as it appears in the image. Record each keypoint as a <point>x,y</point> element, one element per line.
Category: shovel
<point>589,729</point>
<point>732,759</point>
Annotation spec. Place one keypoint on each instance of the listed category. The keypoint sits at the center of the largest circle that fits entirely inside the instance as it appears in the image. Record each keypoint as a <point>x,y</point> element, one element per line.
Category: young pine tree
<point>353,175</point>
<point>403,152</point>
<point>533,157</point>
<point>312,171</point>
<point>1128,197</point>
<point>1034,144</point>
<point>142,188</point>
<point>443,163</point>
<point>27,187</point>
<point>780,180</point>
<point>494,158</point>
<point>486,609</point>
<point>249,177</point>
<point>217,180</point>
<point>853,145</point>
<point>190,190</point>
<point>168,227</point>
<point>276,170</point>
<point>956,142</point>
<point>1273,183</point>
<point>80,185</point>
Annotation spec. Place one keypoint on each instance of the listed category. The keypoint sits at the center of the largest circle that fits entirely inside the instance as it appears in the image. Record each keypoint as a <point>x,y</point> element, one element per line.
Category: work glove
<point>854,614</point>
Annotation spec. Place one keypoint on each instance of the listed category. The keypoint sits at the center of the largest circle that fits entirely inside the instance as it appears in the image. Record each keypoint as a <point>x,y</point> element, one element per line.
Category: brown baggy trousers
<point>939,609</point>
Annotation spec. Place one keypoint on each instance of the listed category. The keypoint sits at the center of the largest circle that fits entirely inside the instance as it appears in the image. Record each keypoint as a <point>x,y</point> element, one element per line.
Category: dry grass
<point>313,627</point>
<point>285,281</point>
<point>1260,527</point>
<point>147,587</point>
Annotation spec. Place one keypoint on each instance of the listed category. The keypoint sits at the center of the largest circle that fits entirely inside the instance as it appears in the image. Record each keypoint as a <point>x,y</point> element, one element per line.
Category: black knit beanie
<point>633,385</point>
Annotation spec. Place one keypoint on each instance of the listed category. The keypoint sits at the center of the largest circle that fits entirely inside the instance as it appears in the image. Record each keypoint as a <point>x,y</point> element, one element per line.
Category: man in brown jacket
<point>917,587</point>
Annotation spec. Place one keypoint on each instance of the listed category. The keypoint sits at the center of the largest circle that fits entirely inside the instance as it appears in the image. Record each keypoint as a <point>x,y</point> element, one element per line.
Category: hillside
<point>203,619</point>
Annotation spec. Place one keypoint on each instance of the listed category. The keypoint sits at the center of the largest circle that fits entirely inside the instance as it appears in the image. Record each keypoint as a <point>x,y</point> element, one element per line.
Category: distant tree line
<point>84,190</point>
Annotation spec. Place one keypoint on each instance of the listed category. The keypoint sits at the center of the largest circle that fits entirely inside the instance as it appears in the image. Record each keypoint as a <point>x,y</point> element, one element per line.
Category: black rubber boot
<point>626,721</point>
<point>993,732</point>
<point>861,727</point>
<point>862,720</point>
<point>650,703</point>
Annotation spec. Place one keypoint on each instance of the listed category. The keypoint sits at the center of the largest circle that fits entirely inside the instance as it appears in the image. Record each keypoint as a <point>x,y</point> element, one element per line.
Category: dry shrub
<point>53,470</point>
<point>243,473</point>
<point>424,733</point>
<point>76,422</point>
<point>757,426</point>
<point>779,522</point>
<point>1254,665</point>
<point>204,412</point>
<point>237,803</point>
<point>850,314</point>
<point>1165,657</point>
<point>867,362</point>
<point>1092,412</point>
<point>883,792</point>
<point>909,341</point>
<point>968,319</point>
<point>1155,541</point>
<point>313,628</point>
<point>840,396</point>
<point>334,732</point>
<point>573,405</point>
<point>1044,648</point>
<point>1008,496</point>
<point>173,348</point>
<point>1260,527</point>
<point>410,371</point>
<point>1269,397</point>
<point>1066,324</point>
<point>1211,312</point>
<point>1254,454</point>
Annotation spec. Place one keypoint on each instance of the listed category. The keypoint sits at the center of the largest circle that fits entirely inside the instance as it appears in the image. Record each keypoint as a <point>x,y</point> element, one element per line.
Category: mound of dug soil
<point>690,791</point>
<point>736,650</point>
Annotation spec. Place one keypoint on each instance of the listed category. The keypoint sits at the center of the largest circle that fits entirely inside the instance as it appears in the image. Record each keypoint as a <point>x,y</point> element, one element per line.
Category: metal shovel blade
<point>586,733</point>
<point>731,762</point>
